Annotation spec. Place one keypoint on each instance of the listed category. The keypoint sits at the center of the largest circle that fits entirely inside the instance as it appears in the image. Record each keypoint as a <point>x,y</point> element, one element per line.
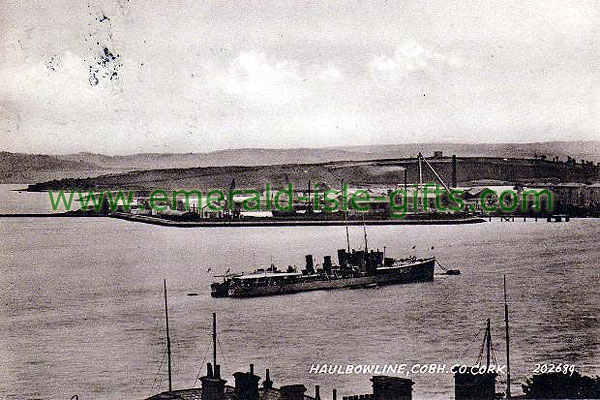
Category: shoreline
<point>253,222</point>
<point>270,222</point>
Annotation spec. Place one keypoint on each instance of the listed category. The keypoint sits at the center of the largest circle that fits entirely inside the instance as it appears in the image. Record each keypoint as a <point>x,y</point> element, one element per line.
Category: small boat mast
<point>508,394</point>
<point>168,337</point>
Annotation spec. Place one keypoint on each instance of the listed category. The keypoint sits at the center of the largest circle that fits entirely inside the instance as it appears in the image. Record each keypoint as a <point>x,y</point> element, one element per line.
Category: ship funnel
<point>327,264</point>
<point>310,267</point>
<point>342,257</point>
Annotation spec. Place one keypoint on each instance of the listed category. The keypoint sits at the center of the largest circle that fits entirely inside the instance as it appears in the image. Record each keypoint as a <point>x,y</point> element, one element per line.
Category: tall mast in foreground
<point>214,337</point>
<point>168,337</point>
<point>488,339</point>
<point>508,395</point>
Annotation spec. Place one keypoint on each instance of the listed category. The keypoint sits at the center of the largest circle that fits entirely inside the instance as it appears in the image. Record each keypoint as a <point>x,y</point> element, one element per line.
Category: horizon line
<point>340,147</point>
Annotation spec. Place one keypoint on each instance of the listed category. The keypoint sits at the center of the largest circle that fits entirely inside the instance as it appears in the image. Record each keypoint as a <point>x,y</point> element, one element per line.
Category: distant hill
<point>28,168</point>
<point>382,173</point>
<point>24,168</point>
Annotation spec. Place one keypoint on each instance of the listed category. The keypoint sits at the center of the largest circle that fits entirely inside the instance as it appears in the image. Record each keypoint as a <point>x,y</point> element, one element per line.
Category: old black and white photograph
<point>299,200</point>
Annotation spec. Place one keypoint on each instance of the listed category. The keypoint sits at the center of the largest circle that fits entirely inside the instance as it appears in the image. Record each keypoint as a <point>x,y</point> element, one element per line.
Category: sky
<point>129,76</point>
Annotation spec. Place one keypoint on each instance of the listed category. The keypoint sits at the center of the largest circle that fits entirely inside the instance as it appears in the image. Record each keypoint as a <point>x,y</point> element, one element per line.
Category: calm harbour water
<point>81,308</point>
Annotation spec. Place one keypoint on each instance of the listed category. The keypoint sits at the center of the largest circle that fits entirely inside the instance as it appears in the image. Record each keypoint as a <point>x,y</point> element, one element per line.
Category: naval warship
<point>355,269</point>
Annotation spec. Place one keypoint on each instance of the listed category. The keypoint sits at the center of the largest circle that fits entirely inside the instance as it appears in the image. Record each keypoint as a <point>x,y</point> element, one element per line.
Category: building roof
<point>196,394</point>
<point>184,394</point>
<point>175,213</point>
<point>216,206</point>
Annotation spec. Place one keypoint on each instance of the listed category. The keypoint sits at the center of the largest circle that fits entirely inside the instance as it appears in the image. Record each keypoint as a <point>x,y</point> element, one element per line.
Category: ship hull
<point>421,271</point>
<point>219,289</point>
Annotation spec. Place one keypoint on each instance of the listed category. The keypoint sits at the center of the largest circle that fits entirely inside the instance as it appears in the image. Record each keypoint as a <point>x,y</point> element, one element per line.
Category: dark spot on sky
<point>52,63</point>
<point>107,67</point>
<point>93,79</point>
<point>105,63</point>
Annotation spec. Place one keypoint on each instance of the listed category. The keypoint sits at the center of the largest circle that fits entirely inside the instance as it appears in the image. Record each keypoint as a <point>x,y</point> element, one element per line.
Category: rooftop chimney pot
<point>267,383</point>
<point>213,387</point>
<point>292,392</point>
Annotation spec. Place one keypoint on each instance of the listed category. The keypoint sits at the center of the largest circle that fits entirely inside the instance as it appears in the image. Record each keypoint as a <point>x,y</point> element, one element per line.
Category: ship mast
<point>486,345</point>
<point>365,230</point>
<point>488,335</point>
<point>508,395</point>
<point>346,222</point>
<point>214,337</point>
<point>347,234</point>
<point>168,337</point>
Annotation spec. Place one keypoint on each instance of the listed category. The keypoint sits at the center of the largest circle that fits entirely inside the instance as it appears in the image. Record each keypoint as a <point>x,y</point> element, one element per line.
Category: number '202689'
<point>542,368</point>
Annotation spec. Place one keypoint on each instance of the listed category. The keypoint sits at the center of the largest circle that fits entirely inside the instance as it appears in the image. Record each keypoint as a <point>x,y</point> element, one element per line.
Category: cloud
<point>254,76</point>
<point>251,74</point>
<point>410,57</point>
<point>330,74</point>
<point>198,77</point>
